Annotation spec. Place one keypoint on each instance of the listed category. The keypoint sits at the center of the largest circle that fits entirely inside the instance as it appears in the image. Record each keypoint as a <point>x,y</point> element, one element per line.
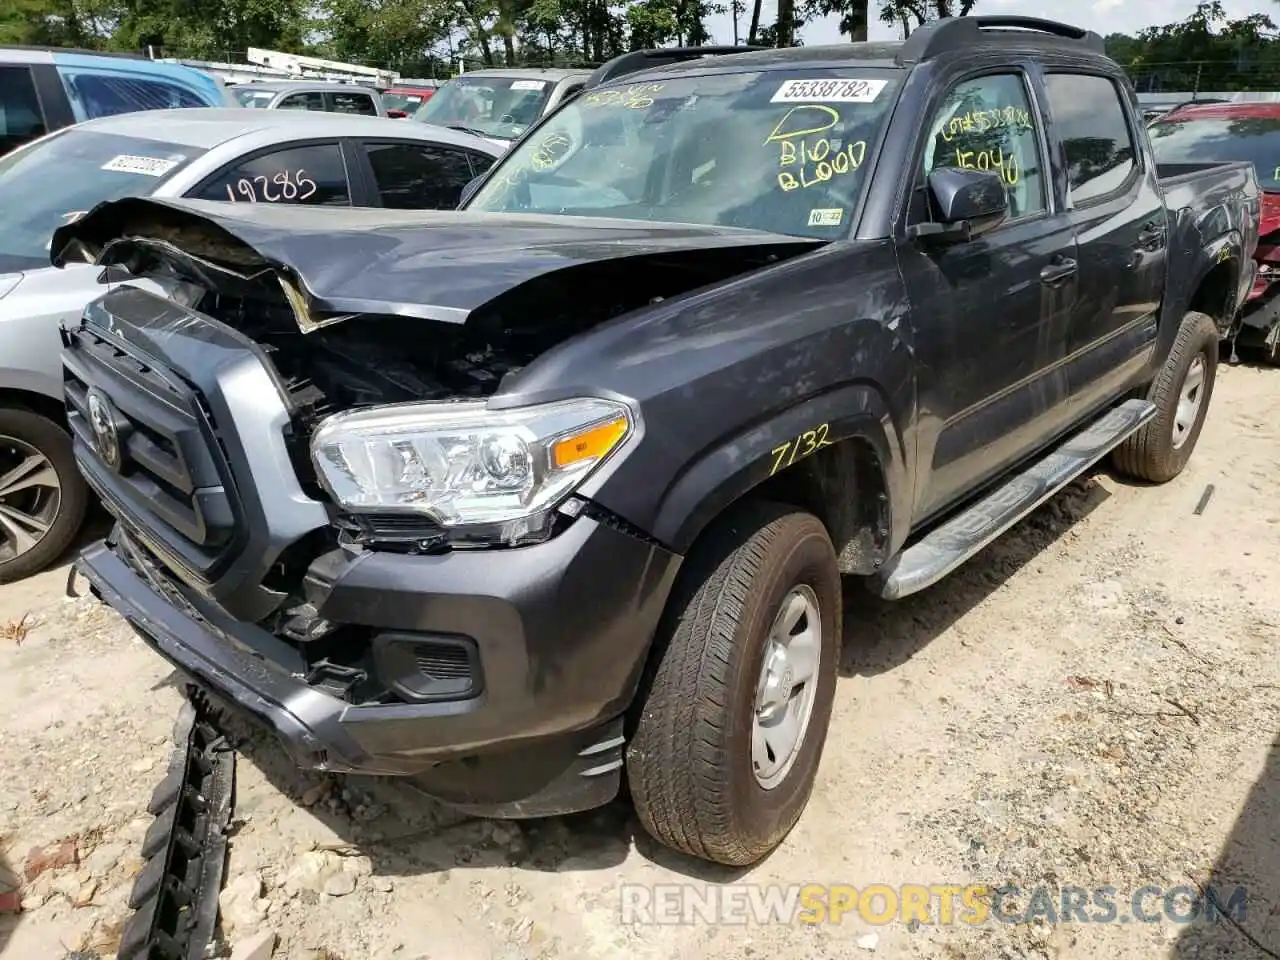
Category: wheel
<point>734,712</point>
<point>43,498</point>
<point>1181,392</point>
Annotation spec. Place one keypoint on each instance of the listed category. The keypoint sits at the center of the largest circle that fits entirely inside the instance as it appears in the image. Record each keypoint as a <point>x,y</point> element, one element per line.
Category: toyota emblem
<point>102,421</point>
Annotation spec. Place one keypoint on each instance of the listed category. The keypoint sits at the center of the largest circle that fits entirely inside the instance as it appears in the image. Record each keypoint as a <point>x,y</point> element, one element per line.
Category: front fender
<point>749,458</point>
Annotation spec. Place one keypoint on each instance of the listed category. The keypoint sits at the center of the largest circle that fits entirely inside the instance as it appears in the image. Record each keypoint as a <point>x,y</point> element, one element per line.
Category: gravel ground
<point>1093,701</point>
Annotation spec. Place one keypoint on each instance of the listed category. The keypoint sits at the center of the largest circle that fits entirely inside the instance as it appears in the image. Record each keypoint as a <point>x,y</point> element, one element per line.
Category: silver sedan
<point>235,155</point>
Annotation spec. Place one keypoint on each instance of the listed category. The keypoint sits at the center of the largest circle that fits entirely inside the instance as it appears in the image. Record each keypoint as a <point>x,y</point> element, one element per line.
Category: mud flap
<point>175,896</point>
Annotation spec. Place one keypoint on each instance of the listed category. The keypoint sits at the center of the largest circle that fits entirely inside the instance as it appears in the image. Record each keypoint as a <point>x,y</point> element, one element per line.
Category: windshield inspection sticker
<point>528,84</point>
<point>826,217</point>
<point>835,90</point>
<point>147,166</point>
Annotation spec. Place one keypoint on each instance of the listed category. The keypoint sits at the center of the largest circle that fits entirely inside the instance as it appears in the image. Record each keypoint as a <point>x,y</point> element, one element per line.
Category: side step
<point>941,551</point>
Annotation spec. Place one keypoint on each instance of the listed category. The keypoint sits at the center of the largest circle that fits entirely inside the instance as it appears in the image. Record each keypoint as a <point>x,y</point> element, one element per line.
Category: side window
<point>354,103</point>
<point>1090,119</point>
<point>986,124</point>
<point>104,95</point>
<point>20,117</point>
<point>314,175</point>
<point>413,176</point>
<point>303,101</point>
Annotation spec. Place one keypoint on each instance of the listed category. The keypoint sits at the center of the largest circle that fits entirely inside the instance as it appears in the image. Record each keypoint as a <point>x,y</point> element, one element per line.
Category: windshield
<point>249,97</point>
<point>1218,139</point>
<point>778,151</point>
<point>57,180</point>
<point>498,107</point>
<point>405,102</point>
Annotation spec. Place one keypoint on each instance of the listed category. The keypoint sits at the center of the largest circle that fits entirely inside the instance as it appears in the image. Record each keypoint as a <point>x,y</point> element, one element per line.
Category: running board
<point>941,551</point>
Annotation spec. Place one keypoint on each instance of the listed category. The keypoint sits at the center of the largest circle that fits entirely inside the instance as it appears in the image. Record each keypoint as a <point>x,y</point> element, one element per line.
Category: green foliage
<point>1206,51</point>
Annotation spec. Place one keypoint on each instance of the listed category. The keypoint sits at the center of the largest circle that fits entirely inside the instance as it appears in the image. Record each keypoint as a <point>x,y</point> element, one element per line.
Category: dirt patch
<point>1091,703</point>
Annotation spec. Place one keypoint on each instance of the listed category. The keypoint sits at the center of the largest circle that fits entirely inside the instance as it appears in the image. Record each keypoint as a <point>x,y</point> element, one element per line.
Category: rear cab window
<point>359,103</point>
<point>311,100</point>
<point>21,119</point>
<point>785,151</point>
<point>1094,128</point>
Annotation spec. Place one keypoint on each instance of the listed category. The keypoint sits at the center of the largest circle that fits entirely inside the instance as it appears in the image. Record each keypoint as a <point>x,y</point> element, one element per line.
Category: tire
<point>690,771</point>
<point>22,434</point>
<point>1160,450</point>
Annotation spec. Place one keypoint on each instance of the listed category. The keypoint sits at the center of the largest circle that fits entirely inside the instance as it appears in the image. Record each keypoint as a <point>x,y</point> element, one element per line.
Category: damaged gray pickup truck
<point>514,499</point>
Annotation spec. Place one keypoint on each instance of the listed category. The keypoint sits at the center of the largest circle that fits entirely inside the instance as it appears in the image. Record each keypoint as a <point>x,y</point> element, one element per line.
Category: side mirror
<point>472,186</point>
<point>397,114</point>
<point>968,203</point>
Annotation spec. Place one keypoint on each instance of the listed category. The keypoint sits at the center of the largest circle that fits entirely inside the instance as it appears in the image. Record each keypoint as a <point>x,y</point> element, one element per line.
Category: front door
<point>991,314</point>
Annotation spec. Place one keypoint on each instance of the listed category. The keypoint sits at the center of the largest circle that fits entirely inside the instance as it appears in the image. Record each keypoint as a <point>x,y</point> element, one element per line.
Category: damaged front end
<point>335,510</point>
<point>376,309</point>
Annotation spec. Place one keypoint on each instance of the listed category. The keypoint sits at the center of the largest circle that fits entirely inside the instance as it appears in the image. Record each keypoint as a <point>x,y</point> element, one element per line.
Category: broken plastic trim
<point>175,896</point>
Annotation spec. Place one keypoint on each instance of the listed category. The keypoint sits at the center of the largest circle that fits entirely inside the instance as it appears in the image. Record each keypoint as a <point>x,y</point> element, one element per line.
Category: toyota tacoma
<point>553,494</point>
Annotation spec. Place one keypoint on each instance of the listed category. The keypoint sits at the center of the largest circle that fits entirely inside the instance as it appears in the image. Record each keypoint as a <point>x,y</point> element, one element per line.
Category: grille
<point>443,662</point>
<point>171,468</point>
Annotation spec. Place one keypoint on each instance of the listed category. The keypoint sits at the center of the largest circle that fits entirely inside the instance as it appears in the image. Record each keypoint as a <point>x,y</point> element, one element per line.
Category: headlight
<point>461,464</point>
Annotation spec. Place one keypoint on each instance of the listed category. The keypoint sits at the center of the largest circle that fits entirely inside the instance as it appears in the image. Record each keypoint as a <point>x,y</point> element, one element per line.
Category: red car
<point>403,102</point>
<point>1238,131</point>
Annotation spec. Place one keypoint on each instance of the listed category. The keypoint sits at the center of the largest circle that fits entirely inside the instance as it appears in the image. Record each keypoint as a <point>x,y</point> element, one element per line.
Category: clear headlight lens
<point>459,463</point>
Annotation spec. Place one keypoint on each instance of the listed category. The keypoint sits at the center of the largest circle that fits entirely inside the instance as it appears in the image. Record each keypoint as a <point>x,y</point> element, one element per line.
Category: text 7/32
<point>799,447</point>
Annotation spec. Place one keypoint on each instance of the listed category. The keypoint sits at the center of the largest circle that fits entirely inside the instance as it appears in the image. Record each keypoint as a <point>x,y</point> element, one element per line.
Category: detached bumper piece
<point>175,897</point>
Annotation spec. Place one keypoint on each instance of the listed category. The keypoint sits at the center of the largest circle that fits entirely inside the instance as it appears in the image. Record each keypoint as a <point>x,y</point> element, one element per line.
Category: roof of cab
<point>212,126</point>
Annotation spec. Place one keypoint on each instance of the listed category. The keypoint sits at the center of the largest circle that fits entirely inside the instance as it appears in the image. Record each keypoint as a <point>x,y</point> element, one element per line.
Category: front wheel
<point>43,498</point>
<point>733,720</point>
<point>1181,392</point>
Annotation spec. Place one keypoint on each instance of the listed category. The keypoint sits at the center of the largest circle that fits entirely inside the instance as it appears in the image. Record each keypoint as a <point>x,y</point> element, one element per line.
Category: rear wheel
<point>42,495</point>
<point>733,720</point>
<point>1181,392</point>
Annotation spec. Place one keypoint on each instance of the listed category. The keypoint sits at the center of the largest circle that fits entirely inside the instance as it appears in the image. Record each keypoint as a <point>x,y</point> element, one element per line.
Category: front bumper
<point>562,630</point>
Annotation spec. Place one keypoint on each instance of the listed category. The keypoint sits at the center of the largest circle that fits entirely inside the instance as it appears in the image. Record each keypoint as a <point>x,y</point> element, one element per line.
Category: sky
<point>1103,16</point>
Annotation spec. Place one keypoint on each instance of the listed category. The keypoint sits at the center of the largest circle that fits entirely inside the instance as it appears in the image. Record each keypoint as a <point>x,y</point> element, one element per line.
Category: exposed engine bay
<point>371,359</point>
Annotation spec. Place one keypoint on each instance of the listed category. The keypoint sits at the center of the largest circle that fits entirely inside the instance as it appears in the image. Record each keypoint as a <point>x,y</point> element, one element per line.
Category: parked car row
<point>559,487</point>
<point>214,155</point>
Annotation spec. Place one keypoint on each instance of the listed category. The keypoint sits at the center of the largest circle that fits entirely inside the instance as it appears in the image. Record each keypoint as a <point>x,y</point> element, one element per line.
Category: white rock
<point>311,871</point>
<point>239,904</point>
<point>258,947</point>
<point>869,942</point>
<point>340,884</point>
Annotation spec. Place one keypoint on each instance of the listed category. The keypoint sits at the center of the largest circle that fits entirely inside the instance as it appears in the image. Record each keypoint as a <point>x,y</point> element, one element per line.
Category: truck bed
<point>1202,184</point>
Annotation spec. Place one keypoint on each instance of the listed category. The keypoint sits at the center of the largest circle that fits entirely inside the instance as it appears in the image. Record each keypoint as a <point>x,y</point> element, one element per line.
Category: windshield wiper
<point>471,130</point>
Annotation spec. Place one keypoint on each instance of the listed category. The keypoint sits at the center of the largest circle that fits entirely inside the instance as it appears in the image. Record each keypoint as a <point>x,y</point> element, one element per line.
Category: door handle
<point>1059,270</point>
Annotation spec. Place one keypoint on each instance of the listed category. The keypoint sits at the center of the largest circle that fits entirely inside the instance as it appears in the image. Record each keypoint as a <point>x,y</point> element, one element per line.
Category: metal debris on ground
<point>1204,499</point>
<point>175,897</point>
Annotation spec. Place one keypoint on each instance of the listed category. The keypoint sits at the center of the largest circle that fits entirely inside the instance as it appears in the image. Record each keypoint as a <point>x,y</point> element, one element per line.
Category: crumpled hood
<point>334,262</point>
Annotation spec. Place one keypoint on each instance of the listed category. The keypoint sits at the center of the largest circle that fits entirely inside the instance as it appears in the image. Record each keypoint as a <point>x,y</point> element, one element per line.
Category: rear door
<point>991,313</point>
<point>1114,204</point>
<point>420,175</point>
